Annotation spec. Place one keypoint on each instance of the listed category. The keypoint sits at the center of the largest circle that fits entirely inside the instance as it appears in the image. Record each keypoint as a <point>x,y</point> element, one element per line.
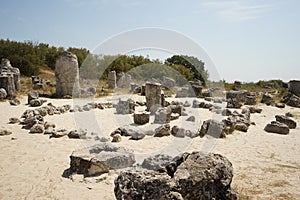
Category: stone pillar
<point>67,75</point>
<point>153,96</point>
<point>237,85</point>
<point>112,80</point>
<point>9,77</point>
<point>7,82</point>
<point>294,86</point>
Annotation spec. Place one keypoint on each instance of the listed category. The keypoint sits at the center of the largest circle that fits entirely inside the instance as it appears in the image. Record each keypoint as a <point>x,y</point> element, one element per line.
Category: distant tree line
<point>30,56</point>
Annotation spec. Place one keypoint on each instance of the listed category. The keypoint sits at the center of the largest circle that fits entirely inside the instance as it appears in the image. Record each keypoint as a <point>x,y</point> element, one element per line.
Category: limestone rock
<point>3,93</point>
<point>163,130</point>
<point>13,120</point>
<point>59,133</point>
<point>286,120</point>
<point>37,128</point>
<point>157,162</point>
<point>153,96</point>
<point>116,138</point>
<point>112,80</point>
<point>9,77</point>
<point>141,117</point>
<point>267,99</point>
<point>99,159</point>
<point>125,106</point>
<point>77,134</point>
<point>31,96</point>
<point>67,75</point>
<point>137,135</point>
<point>162,115</point>
<point>5,132</point>
<point>277,127</point>
<point>294,86</point>
<point>14,102</point>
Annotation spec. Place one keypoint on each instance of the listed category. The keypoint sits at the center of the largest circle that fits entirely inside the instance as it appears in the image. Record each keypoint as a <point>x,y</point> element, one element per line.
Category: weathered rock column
<point>112,80</point>
<point>9,77</point>
<point>67,75</point>
<point>294,86</point>
<point>153,96</point>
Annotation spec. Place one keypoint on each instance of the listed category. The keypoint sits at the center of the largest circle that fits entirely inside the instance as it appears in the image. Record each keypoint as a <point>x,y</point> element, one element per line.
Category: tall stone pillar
<point>153,96</point>
<point>67,75</point>
<point>112,80</point>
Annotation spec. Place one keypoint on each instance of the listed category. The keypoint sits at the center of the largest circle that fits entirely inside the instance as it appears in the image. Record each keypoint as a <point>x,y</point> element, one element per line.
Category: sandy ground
<point>266,165</point>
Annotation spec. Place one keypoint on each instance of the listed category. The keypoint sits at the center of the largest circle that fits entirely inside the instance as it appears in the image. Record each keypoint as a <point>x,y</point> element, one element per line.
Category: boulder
<point>153,96</point>
<point>186,104</point>
<point>286,120</point>
<point>163,130</point>
<point>213,128</point>
<point>36,102</point>
<point>250,100</point>
<point>3,93</point>
<point>178,132</point>
<point>137,135</point>
<point>255,109</point>
<point>277,127</point>
<point>280,105</point>
<point>9,78</point>
<point>59,133</point>
<point>237,85</point>
<point>141,117</point>
<point>189,176</point>
<point>294,86</point>
<point>291,100</point>
<point>100,158</point>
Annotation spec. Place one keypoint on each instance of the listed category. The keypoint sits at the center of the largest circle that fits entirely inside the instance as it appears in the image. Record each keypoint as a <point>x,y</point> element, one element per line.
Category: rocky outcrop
<point>291,100</point>
<point>100,158</point>
<point>189,176</point>
<point>9,77</point>
<point>67,75</point>
<point>277,127</point>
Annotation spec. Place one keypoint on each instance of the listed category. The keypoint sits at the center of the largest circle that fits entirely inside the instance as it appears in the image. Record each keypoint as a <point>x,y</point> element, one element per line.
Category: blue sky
<point>247,40</point>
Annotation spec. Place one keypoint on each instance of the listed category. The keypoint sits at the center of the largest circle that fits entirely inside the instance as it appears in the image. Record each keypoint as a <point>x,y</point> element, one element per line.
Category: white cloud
<point>237,10</point>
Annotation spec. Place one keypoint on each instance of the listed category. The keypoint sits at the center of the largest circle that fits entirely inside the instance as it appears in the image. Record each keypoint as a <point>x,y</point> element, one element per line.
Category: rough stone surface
<point>125,106</point>
<point>67,75</point>
<point>31,96</point>
<point>294,86</point>
<point>157,162</point>
<point>5,132</point>
<point>37,128</point>
<point>99,159</point>
<point>137,135</point>
<point>116,138</point>
<point>14,102</point>
<point>237,85</point>
<point>267,99</point>
<point>162,115</point>
<point>9,77</point>
<point>112,80</point>
<point>277,127</point>
<point>189,176</point>
<point>291,100</point>
<point>13,120</point>
<point>3,93</point>
<point>163,130</point>
<point>77,134</point>
<point>286,120</point>
<point>153,96</point>
<point>141,117</point>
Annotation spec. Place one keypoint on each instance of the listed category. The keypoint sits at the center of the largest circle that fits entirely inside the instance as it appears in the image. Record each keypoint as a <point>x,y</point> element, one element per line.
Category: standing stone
<point>237,85</point>
<point>112,80</point>
<point>3,93</point>
<point>9,77</point>
<point>67,75</point>
<point>294,86</point>
<point>141,117</point>
<point>153,96</point>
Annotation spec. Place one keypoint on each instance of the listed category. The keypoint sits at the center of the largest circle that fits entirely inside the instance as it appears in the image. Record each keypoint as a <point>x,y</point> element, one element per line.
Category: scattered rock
<point>277,127</point>
<point>100,158</point>
<point>191,119</point>
<point>14,120</point>
<point>116,138</point>
<point>5,132</point>
<point>267,99</point>
<point>286,120</point>
<point>36,102</point>
<point>291,100</point>
<point>178,132</point>
<point>157,162</point>
<point>280,105</point>
<point>125,106</point>
<point>163,130</point>
<point>14,102</point>
<point>137,135</point>
<point>59,133</point>
<point>37,128</point>
<point>162,115</point>
<point>255,110</point>
<point>141,117</point>
<point>31,96</point>
<point>174,116</point>
<point>77,134</point>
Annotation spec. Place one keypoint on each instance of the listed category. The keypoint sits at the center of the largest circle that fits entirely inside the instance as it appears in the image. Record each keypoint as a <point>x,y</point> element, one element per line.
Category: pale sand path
<point>266,166</point>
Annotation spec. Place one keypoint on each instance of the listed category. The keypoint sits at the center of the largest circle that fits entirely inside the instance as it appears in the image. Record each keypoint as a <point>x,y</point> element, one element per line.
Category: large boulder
<point>67,75</point>
<point>291,100</point>
<point>277,127</point>
<point>286,120</point>
<point>189,176</point>
<point>100,158</point>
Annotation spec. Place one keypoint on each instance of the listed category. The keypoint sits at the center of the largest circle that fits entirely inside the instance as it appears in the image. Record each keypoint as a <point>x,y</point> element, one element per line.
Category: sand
<point>266,165</point>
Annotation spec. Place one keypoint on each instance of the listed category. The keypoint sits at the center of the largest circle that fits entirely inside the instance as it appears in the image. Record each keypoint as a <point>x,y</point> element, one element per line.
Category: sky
<point>247,40</point>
